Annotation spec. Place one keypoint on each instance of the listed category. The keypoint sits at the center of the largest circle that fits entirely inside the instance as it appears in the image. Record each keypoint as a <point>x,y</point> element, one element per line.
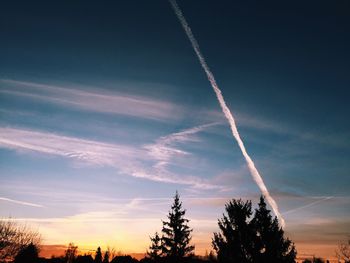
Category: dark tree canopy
<point>124,259</point>
<point>270,244</point>
<point>234,243</point>
<point>155,248</point>
<point>84,259</point>
<point>71,253</point>
<point>98,255</point>
<point>28,254</point>
<point>14,237</point>
<point>245,240</point>
<point>176,232</point>
<point>106,257</point>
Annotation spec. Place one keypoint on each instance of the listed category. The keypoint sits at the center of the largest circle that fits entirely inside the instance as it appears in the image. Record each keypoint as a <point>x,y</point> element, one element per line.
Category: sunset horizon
<point>107,110</point>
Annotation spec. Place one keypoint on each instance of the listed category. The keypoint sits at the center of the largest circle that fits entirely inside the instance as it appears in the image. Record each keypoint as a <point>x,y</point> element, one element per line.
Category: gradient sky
<point>105,112</point>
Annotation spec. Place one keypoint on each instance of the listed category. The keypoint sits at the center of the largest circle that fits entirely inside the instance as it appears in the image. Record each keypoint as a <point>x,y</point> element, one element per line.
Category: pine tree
<point>176,232</point>
<point>257,240</point>
<point>234,241</point>
<point>98,255</point>
<point>270,244</point>
<point>155,248</point>
<point>106,257</point>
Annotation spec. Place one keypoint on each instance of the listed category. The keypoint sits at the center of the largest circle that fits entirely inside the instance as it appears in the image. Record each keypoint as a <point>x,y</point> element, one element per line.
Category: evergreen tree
<point>234,241</point>
<point>98,255</point>
<point>176,232</point>
<point>258,240</point>
<point>106,257</point>
<point>155,248</point>
<point>270,244</point>
<point>28,254</point>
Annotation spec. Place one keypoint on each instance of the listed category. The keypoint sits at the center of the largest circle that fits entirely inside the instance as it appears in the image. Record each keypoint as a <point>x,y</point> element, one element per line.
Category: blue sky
<point>105,112</point>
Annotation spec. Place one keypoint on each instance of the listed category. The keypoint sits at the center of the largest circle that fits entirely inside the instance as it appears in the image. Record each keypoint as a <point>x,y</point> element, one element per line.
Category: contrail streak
<point>254,172</point>
<point>308,205</point>
<point>19,202</point>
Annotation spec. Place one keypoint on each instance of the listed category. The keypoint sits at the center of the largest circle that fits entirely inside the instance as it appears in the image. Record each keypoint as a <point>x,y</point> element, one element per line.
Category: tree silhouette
<point>84,259</point>
<point>314,260</point>
<point>106,257</point>
<point>14,237</point>
<point>269,242</point>
<point>124,259</point>
<point>71,253</point>
<point>234,242</point>
<point>98,255</point>
<point>155,249</point>
<point>245,240</point>
<point>343,251</point>
<point>28,254</point>
<point>176,233</point>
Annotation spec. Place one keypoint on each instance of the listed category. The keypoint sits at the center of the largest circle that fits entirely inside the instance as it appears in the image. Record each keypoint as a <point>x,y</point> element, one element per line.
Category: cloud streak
<point>253,170</point>
<point>129,160</point>
<point>103,102</point>
<point>163,149</point>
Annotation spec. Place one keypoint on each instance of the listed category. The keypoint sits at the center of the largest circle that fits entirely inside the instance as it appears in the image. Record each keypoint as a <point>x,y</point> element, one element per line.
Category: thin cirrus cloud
<point>129,160</point>
<point>163,149</point>
<point>103,102</point>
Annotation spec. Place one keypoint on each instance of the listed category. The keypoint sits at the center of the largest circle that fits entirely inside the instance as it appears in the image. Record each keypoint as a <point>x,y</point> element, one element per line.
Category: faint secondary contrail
<point>19,202</point>
<point>308,205</point>
<point>254,172</point>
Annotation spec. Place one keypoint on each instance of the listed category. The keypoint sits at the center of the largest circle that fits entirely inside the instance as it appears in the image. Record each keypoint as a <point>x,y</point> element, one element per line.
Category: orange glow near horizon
<point>305,250</point>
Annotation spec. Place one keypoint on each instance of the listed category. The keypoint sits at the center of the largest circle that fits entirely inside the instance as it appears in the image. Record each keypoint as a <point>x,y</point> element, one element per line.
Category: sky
<point>105,112</point>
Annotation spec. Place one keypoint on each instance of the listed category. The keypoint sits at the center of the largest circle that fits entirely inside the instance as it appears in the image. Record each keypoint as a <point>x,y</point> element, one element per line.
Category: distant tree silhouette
<point>14,237</point>
<point>269,242</point>
<point>155,249</point>
<point>124,259</point>
<point>234,243</point>
<point>176,232</point>
<point>343,251</point>
<point>106,257</point>
<point>98,255</point>
<point>318,260</point>
<point>211,257</point>
<point>245,240</point>
<point>71,253</point>
<point>111,252</point>
<point>28,254</point>
<point>54,259</point>
<point>84,259</point>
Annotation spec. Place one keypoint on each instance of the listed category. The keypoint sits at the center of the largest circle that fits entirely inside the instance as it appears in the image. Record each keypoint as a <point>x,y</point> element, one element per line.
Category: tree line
<point>244,236</point>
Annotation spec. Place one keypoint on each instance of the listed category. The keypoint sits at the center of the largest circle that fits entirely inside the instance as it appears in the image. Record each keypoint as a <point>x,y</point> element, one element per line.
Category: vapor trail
<point>254,172</point>
<point>308,205</point>
<point>19,202</point>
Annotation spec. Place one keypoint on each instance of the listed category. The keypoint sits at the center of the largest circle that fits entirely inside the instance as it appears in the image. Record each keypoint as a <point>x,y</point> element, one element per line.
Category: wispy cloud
<point>85,150</point>
<point>19,202</point>
<point>102,101</point>
<point>164,148</point>
<point>129,160</point>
